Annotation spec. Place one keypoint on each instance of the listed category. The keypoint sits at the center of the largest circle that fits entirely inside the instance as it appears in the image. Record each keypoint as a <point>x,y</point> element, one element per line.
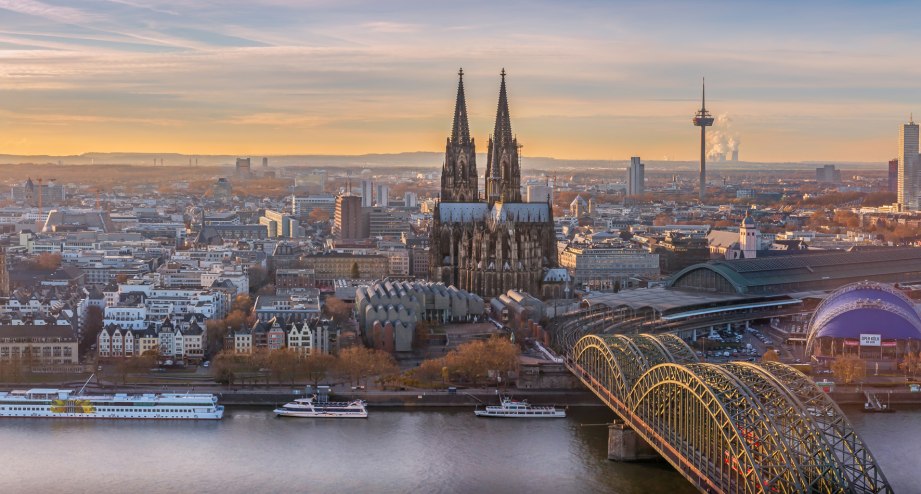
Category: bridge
<point>728,428</point>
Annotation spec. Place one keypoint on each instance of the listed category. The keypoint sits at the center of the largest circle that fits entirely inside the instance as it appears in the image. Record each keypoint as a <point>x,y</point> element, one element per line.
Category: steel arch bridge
<point>729,428</point>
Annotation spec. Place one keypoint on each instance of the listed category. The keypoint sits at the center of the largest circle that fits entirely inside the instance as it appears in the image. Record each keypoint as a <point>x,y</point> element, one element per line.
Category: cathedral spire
<point>460,132</point>
<point>503,174</point>
<point>503,130</point>
<point>459,175</point>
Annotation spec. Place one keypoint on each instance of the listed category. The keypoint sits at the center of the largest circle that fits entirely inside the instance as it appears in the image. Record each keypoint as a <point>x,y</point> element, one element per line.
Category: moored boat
<point>64,403</point>
<point>510,408</point>
<point>312,407</point>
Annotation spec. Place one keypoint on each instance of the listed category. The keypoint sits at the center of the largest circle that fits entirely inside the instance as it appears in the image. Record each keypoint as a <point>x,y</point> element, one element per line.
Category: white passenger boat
<point>311,407</point>
<point>64,403</point>
<point>520,409</point>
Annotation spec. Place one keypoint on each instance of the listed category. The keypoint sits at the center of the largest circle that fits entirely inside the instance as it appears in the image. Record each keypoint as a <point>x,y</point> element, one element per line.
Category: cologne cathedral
<point>490,243</point>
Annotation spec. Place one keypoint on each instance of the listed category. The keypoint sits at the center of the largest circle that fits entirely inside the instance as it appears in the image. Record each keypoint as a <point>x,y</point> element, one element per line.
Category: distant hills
<point>421,159</point>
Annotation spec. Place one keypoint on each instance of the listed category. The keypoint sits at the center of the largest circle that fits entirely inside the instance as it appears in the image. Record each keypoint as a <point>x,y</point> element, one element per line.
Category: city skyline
<point>589,80</point>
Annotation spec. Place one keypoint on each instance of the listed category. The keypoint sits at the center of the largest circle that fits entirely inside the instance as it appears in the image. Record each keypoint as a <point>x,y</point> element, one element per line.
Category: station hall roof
<point>801,272</point>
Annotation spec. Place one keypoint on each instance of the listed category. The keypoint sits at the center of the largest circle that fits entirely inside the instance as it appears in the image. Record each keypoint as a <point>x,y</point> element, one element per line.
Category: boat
<point>520,409</point>
<point>314,407</point>
<point>65,403</point>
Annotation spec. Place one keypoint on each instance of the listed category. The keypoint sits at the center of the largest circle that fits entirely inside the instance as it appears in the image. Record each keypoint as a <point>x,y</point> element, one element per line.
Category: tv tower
<point>703,120</point>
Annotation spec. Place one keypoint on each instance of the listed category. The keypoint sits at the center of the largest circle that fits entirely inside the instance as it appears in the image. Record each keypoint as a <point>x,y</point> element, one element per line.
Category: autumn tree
<point>318,215</point>
<point>283,364</point>
<point>849,368</point>
<point>48,261</point>
<point>770,356</point>
<point>337,309</point>
<point>910,363</point>
<point>316,367</point>
<point>359,363</point>
<point>474,361</point>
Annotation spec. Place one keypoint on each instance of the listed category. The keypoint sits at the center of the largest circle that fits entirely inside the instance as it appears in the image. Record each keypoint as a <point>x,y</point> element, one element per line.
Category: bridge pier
<point>624,444</point>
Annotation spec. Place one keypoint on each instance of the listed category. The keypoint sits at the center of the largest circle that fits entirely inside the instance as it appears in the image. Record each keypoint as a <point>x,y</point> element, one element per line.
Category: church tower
<point>749,237</point>
<point>503,175</point>
<point>459,176</point>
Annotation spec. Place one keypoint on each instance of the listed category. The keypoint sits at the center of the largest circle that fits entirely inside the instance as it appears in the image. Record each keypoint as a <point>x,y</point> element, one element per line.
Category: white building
<point>367,197</point>
<point>383,195</point>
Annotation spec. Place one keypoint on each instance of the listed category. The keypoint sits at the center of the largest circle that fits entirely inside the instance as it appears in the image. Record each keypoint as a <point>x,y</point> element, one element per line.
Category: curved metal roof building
<point>865,308</point>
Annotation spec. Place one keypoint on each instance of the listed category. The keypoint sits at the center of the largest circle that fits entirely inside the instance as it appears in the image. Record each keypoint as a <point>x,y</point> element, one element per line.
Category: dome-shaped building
<point>866,308</point>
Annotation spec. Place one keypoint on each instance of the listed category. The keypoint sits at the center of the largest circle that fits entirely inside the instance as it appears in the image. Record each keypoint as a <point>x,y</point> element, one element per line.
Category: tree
<point>356,274</point>
<point>316,367</point>
<point>318,215</point>
<point>243,303</point>
<point>474,361</point>
<point>337,309</point>
<point>910,363</point>
<point>770,356</point>
<point>283,364</point>
<point>48,261</point>
<point>258,276</point>
<point>849,368</point>
<point>225,367</point>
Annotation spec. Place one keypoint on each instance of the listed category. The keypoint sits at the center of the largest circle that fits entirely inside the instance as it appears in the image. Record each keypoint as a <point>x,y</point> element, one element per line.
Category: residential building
<point>289,308</point>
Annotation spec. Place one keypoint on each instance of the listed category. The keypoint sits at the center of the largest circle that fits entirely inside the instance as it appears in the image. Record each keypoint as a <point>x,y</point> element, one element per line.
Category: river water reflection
<point>445,450</point>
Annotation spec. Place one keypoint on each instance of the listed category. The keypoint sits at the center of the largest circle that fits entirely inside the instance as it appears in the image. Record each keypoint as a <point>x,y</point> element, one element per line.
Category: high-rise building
<point>908,166</point>
<point>367,197</point>
<point>243,168</point>
<point>382,195</point>
<point>347,223</point>
<point>636,177</point>
<point>893,175</point>
<point>827,174</point>
<point>265,162</point>
<point>410,200</point>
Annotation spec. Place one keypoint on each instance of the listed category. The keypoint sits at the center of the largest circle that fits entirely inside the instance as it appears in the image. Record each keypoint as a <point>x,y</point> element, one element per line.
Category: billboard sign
<point>870,340</point>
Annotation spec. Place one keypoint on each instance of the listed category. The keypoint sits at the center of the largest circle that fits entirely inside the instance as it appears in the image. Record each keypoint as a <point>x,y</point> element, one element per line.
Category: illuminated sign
<point>870,340</point>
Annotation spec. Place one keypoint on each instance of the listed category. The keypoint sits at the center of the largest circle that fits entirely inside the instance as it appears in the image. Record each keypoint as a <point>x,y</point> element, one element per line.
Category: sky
<point>790,81</point>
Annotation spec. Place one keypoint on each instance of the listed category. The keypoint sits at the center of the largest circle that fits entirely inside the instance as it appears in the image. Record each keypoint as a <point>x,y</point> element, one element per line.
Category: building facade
<point>908,166</point>
<point>347,223</point>
<point>488,247</point>
<point>636,177</point>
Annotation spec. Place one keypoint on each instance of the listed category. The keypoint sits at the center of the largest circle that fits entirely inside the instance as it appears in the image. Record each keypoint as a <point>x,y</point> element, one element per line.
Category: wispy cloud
<point>586,79</point>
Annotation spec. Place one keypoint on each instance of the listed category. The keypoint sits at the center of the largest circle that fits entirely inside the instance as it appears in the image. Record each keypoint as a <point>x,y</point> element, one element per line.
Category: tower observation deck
<point>703,119</point>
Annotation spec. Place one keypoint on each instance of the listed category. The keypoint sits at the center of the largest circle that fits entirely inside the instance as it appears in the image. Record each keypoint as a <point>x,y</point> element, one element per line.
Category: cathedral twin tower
<point>489,244</point>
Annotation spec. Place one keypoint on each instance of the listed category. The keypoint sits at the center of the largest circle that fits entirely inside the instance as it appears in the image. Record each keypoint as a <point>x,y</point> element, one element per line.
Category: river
<point>398,451</point>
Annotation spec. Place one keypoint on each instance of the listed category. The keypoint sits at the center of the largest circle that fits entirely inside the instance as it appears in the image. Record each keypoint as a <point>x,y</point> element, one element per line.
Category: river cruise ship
<point>520,409</point>
<point>311,407</point>
<point>64,403</point>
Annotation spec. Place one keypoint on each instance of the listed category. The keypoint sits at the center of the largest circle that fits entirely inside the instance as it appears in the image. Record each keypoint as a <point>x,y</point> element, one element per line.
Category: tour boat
<point>64,403</point>
<point>311,407</point>
<point>520,409</point>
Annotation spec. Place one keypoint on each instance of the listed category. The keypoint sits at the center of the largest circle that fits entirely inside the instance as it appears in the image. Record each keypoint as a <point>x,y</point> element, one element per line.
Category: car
<point>206,364</point>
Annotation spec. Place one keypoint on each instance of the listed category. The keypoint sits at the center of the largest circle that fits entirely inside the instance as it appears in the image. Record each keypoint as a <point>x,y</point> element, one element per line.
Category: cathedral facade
<point>491,243</point>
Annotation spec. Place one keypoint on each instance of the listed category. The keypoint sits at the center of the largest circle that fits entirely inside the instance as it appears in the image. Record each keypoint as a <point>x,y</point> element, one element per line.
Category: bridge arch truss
<point>734,428</point>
